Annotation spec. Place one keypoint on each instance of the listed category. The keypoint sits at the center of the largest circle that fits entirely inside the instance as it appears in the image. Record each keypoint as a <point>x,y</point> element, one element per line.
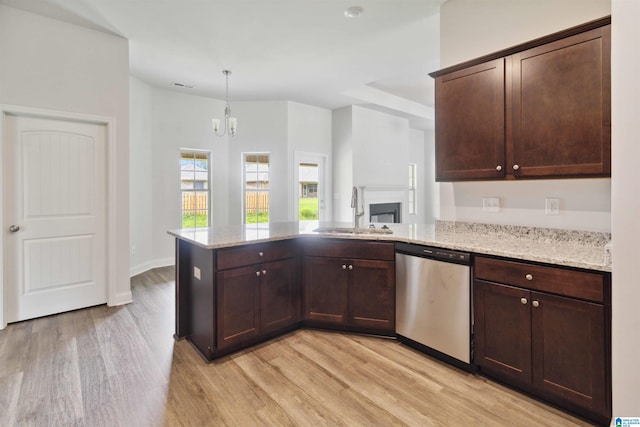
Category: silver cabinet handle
<point>516,167</point>
<point>344,267</point>
<point>258,273</point>
<point>528,276</point>
<point>14,228</point>
<point>535,303</point>
<point>264,272</point>
<point>260,253</point>
<point>350,267</point>
<point>523,300</point>
<point>498,168</point>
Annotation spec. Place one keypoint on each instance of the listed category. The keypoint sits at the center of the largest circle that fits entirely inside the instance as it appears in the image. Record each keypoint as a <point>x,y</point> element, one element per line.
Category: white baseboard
<point>141,268</point>
<point>121,299</point>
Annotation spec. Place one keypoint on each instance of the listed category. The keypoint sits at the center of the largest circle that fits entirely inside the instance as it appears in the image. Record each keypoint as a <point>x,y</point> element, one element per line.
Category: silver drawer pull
<point>523,300</point>
<point>258,273</point>
<point>535,304</point>
<point>498,168</point>
<point>350,267</point>
<point>528,276</point>
<point>344,267</point>
<point>264,272</point>
<point>260,253</point>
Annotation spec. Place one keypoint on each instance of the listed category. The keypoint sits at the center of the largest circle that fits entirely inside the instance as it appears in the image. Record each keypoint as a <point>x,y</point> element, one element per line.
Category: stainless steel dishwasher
<point>433,301</point>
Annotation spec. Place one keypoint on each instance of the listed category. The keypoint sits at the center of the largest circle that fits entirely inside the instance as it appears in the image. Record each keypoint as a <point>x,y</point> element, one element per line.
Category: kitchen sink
<point>351,230</point>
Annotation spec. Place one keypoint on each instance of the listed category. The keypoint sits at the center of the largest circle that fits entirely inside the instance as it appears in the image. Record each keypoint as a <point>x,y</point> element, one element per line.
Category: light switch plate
<point>491,204</point>
<point>196,273</point>
<point>551,206</point>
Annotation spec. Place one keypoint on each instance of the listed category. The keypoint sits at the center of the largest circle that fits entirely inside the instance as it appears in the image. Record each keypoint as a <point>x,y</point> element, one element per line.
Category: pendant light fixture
<point>230,123</point>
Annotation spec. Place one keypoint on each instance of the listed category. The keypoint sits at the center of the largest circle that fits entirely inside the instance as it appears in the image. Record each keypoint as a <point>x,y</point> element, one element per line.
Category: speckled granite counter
<point>560,247</point>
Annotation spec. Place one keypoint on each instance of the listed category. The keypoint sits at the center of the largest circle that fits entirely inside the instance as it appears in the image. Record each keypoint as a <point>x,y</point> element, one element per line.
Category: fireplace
<point>384,212</point>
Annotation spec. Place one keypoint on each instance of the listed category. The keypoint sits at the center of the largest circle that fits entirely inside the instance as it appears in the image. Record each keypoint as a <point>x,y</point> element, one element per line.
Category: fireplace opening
<point>384,212</point>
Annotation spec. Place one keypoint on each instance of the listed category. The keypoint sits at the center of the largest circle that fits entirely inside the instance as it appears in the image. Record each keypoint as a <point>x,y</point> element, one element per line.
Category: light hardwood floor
<point>120,367</point>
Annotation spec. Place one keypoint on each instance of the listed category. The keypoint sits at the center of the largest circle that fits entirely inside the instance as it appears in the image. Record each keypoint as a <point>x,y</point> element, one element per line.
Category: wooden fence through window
<point>256,201</point>
<point>198,201</point>
<point>194,202</point>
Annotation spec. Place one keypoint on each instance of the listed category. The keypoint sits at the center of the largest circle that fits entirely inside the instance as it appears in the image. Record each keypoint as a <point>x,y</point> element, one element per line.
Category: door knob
<point>14,228</point>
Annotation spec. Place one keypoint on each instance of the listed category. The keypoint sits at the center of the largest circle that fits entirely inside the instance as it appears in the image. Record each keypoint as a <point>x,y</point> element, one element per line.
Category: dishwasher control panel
<point>434,253</point>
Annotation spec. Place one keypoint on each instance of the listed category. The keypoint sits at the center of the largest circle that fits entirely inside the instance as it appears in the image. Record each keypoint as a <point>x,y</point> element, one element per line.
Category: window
<point>256,188</point>
<point>308,192</point>
<point>194,184</point>
<point>413,181</point>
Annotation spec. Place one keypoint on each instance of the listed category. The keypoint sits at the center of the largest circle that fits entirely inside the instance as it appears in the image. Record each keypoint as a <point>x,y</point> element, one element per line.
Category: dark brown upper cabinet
<point>538,110</point>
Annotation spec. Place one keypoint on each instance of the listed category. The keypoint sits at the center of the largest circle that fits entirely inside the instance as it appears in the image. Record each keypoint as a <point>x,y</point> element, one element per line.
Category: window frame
<point>412,196</point>
<point>245,190</point>
<point>197,153</point>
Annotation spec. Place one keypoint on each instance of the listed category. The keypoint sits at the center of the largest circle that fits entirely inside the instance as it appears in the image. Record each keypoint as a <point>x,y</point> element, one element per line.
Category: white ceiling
<point>300,50</point>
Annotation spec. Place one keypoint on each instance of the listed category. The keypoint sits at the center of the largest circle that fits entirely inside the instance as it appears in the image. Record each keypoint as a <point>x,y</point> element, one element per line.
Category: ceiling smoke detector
<point>353,12</point>
<point>183,85</point>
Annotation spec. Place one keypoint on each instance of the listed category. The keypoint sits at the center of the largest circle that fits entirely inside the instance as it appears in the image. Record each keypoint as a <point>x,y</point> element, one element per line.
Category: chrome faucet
<point>354,204</point>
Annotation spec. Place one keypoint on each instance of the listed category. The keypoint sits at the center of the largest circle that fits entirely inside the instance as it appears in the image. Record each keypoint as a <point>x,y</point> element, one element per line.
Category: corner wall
<point>625,58</point>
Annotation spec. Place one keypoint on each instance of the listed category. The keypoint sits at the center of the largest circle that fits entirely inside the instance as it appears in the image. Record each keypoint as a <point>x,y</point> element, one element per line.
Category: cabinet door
<point>469,120</point>
<point>502,331</point>
<point>569,351</point>
<point>562,108</point>
<point>279,296</point>
<point>372,294</point>
<point>238,305</point>
<point>325,290</point>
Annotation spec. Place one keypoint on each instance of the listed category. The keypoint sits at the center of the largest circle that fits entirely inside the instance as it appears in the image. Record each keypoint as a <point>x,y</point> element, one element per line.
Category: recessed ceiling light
<point>353,12</point>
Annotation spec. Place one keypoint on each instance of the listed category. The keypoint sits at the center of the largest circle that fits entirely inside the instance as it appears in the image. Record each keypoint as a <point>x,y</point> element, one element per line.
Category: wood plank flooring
<point>119,366</point>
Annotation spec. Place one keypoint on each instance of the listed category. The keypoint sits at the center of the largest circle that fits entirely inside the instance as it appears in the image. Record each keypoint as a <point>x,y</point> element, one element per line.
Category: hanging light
<point>230,123</point>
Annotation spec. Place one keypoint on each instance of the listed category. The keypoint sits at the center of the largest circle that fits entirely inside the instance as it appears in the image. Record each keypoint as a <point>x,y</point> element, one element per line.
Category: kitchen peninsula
<point>240,285</point>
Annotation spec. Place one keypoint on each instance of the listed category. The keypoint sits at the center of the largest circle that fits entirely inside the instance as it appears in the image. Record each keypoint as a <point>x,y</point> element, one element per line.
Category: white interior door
<point>54,216</point>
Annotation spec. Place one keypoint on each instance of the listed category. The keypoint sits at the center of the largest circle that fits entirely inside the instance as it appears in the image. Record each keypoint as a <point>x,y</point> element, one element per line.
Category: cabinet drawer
<point>255,254</point>
<point>350,249</point>
<point>589,286</point>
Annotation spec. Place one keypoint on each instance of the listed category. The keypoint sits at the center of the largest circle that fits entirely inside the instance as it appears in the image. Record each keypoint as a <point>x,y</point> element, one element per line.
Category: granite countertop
<point>581,249</point>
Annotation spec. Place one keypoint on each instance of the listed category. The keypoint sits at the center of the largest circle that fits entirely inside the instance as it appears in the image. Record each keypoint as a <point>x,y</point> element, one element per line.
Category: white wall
<point>373,149</point>
<point>53,65</point>
<point>380,148</point>
<point>165,121</point>
<point>625,207</point>
<point>342,163</point>
<point>262,127</point>
<point>466,33</point>
<point>417,153</point>
<point>140,173</point>
<point>180,121</point>
<point>309,131</point>
<point>472,28</point>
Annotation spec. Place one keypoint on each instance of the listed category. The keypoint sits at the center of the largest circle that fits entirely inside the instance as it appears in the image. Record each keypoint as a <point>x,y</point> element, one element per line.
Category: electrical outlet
<point>196,273</point>
<point>551,206</point>
<point>133,250</point>
<point>491,204</point>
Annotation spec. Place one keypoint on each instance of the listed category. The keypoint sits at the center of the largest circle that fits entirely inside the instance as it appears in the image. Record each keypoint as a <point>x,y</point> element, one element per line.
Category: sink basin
<point>351,230</point>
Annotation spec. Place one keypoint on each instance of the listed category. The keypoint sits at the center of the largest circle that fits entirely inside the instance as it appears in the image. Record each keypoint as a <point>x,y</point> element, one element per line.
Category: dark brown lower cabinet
<point>372,295</point>
<point>255,300</point>
<point>553,346</point>
<point>355,293</point>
